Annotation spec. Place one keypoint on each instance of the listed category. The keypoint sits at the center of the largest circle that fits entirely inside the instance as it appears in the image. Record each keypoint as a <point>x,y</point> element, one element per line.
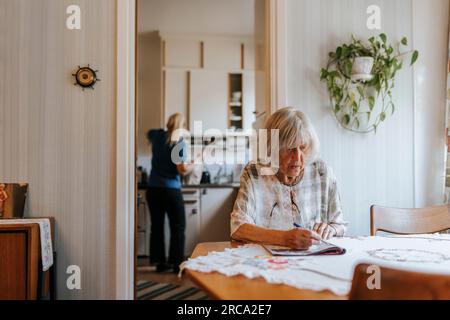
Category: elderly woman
<point>298,204</point>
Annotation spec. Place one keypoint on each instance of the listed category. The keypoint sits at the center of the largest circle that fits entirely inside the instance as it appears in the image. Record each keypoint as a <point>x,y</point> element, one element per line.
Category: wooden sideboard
<point>21,275</point>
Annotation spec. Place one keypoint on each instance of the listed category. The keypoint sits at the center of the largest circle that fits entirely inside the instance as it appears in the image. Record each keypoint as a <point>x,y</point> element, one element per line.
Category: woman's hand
<point>325,230</point>
<point>298,238</point>
<point>185,168</point>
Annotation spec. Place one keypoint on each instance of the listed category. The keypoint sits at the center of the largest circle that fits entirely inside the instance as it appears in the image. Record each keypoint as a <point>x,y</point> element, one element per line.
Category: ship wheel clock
<point>86,77</point>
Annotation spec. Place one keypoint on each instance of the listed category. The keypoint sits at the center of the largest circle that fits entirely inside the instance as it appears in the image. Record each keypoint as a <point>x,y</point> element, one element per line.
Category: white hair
<point>295,129</point>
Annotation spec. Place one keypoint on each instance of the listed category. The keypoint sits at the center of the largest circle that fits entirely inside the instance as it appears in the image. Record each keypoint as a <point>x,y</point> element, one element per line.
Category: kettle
<point>206,177</point>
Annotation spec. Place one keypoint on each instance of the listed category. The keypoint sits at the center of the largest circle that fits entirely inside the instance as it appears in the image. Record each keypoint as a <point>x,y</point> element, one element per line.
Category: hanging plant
<point>358,75</point>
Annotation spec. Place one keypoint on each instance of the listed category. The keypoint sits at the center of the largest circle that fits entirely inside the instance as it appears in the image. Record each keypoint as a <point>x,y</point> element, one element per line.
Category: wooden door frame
<point>126,129</point>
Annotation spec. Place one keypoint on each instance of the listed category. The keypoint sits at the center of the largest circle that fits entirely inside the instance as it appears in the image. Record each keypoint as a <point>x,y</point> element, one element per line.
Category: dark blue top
<point>164,172</point>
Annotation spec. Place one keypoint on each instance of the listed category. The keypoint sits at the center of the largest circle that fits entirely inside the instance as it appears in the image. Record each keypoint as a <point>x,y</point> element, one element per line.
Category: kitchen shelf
<point>235,112</point>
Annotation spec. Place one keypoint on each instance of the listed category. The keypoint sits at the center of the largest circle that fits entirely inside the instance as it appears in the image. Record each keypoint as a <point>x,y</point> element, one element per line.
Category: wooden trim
<point>229,100</point>
<point>242,101</point>
<point>276,59</point>
<point>202,55</point>
<point>190,201</point>
<point>188,100</point>
<point>188,191</point>
<point>163,53</point>
<point>242,56</point>
<point>372,226</point>
<point>33,261</point>
<point>125,149</point>
<point>163,97</point>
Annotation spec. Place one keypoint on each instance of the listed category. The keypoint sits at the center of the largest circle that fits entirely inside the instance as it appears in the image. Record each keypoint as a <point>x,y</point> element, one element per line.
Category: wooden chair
<point>399,285</point>
<point>409,221</point>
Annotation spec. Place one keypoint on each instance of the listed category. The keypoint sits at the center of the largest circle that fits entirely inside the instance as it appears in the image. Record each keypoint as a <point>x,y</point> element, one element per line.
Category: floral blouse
<point>266,202</point>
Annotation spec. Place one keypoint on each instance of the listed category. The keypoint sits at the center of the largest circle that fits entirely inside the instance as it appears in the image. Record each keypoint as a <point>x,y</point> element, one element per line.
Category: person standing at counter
<point>164,194</point>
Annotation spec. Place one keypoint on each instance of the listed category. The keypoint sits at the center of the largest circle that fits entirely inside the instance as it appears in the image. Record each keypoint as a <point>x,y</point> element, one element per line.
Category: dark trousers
<point>160,202</point>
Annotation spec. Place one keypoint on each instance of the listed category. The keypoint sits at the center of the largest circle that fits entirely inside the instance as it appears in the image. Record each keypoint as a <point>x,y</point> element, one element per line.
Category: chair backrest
<point>399,285</point>
<point>409,221</point>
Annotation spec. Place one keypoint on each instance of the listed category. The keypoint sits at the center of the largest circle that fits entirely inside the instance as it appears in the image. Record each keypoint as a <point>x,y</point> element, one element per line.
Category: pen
<point>298,226</point>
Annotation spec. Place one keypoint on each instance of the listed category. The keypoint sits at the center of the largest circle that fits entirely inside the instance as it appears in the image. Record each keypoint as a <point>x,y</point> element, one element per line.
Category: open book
<point>322,248</point>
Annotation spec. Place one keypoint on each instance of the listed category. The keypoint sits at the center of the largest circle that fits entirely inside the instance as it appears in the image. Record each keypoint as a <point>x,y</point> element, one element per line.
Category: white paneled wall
<point>58,138</point>
<point>371,168</point>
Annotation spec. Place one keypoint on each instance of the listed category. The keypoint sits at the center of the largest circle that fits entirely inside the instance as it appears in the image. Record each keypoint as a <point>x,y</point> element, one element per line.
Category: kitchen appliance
<point>206,177</point>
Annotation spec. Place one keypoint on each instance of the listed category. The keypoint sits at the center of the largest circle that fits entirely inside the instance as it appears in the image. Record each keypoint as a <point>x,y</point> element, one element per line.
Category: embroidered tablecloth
<point>421,253</point>
<point>45,237</point>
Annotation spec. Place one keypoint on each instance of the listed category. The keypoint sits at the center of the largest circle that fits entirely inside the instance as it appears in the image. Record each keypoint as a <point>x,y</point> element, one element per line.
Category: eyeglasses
<point>294,205</point>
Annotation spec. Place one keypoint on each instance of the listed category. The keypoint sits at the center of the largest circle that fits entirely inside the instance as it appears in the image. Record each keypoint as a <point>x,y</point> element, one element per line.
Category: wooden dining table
<point>239,287</point>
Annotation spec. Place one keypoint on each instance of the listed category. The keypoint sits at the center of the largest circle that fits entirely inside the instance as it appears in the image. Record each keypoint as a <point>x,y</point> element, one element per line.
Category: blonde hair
<point>176,121</point>
<point>294,130</point>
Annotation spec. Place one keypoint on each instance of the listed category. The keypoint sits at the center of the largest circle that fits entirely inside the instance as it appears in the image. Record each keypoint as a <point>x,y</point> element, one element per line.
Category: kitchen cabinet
<point>216,207</point>
<point>248,99</point>
<point>176,93</point>
<point>193,219</point>
<point>208,99</point>
<point>224,54</point>
<point>241,113</point>
<point>191,199</point>
<point>196,79</point>
<point>182,52</point>
<point>143,226</point>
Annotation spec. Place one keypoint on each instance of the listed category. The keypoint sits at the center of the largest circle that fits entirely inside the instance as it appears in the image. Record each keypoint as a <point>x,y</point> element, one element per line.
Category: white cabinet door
<point>191,199</point>
<point>222,54</point>
<point>192,232</point>
<point>249,56</point>
<point>181,52</point>
<point>175,93</point>
<point>260,92</point>
<point>192,227</point>
<point>216,207</point>
<point>248,97</point>
<point>143,226</point>
<point>209,99</point>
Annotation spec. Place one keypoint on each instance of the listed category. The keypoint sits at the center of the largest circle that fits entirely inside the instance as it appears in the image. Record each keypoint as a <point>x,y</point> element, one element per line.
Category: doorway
<point>206,61</point>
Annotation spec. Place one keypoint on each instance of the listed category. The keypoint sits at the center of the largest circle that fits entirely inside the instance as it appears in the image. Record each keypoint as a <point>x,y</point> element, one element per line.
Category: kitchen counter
<point>212,186</point>
<point>235,185</point>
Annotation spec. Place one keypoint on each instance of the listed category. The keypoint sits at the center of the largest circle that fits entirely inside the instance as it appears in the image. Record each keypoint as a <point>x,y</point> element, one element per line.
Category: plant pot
<point>362,68</point>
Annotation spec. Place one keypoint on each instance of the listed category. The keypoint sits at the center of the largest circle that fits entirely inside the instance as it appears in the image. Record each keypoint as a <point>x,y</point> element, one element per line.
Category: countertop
<point>212,186</point>
<point>235,185</point>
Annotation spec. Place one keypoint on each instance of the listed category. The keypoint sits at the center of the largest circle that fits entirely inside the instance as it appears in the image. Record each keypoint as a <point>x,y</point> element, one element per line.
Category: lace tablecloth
<point>45,235</point>
<point>422,253</point>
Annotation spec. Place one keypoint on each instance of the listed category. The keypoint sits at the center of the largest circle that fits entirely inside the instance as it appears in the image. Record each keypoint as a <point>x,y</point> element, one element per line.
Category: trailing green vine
<point>354,102</point>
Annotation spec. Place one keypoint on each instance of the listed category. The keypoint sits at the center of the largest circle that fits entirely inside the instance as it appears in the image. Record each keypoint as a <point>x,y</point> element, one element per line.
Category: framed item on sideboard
<point>12,200</point>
